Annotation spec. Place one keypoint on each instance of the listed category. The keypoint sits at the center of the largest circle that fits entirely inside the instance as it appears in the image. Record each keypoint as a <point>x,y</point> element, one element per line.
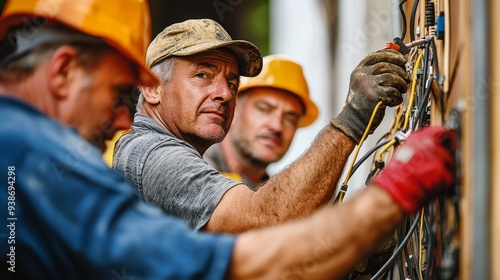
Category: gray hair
<point>26,53</point>
<point>163,70</point>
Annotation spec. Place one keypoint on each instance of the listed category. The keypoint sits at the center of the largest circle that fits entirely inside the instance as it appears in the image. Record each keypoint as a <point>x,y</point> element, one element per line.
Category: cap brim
<point>248,55</point>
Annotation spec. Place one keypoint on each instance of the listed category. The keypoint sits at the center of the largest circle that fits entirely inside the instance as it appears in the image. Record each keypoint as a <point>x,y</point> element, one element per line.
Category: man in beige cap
<point>271,107</point>
<point>200,66</point>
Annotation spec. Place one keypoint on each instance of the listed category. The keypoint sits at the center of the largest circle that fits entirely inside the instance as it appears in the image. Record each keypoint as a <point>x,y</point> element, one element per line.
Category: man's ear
<point>59,72</point>
<point>152,95</point>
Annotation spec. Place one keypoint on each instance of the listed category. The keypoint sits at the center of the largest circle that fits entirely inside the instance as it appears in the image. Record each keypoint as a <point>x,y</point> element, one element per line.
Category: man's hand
<point>421,168</point>
<point>380,76</point>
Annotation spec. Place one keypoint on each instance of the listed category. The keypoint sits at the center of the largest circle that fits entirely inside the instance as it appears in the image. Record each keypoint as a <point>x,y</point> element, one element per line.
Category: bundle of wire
<point>427,243</point>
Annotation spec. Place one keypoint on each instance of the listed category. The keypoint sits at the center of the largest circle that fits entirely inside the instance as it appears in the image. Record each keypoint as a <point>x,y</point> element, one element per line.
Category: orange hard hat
<point>283,73</point>
<point>125,25</point>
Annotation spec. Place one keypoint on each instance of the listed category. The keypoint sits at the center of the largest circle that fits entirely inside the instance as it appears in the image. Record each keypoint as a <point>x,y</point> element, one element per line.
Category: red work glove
<point>421,168</point>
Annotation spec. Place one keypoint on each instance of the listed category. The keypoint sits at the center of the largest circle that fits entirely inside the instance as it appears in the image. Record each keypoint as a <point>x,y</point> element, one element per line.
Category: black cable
<point>419,113</point>
<point>383,137</point>
<point>407,255</point>
<point>419,96</point>
<point>403,18</point>
<point>400,259</point>
<point>430,243</point>
<point>428,235</point>
<point>412,20</point>
<point>420,110</point>
<point>413,259</point>
<point>387,264</point>
<point>365,156</point>
<point>426,64</point>
<point>440,90</point>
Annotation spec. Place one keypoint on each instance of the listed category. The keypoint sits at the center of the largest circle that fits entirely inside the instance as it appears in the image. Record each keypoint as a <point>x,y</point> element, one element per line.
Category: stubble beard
<point>243,147</point>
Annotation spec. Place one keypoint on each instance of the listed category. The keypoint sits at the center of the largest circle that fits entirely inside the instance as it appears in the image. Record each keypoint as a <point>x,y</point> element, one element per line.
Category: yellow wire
<point>412,93</point>
<point>420,243</point>
<point>392,142</point>
<point>385,148</point>
<point>408,108</point>
<point>365,134</point>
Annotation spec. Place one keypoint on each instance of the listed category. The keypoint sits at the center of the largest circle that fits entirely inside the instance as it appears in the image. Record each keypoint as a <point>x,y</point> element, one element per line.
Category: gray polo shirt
<point>169,172</point>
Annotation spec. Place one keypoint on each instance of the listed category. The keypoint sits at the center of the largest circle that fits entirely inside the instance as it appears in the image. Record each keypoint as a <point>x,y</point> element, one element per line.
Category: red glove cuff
<point>404,192</point>
<point>420,169</point>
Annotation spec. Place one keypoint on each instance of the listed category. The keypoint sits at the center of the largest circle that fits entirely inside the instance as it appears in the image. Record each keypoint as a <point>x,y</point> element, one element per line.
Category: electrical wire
<point>412,93</point>
<point>343,190</point>
<point>440,89</point>
<point>425,69</point>
<point>419,113</point>
<point>421,236</point>
<point>386,148</point>
<point>408,109</point>
<point>397,251</point>
<point>430,244</point>
<point>368,154</point>
<point>415,267</point>
<point>412,20</point>
<point>422,254</point>
<point>403,19</point>
<point>417,247</point>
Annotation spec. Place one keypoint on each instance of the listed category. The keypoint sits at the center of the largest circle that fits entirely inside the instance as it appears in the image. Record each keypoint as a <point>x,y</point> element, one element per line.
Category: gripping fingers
<point>384,67</point>
<point>390,96</point>
<point>394,81</point>
<point>387,55</point>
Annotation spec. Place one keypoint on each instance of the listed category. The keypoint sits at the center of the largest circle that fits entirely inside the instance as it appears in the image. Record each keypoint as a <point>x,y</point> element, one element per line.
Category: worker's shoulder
<point>215,157</point>
<point>143,139</point>
<point>147,135</point>
<point>149,147</point>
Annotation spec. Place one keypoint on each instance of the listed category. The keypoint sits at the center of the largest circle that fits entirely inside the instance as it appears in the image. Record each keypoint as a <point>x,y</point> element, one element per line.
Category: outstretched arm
<point>330,242</point>
<point>326,245</point>
<point>304,186</point>
<point>310,181</point>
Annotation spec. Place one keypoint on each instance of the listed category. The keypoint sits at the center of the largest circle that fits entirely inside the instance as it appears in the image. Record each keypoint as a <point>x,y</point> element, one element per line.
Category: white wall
<point>306,42</point>
<point>365,26</point>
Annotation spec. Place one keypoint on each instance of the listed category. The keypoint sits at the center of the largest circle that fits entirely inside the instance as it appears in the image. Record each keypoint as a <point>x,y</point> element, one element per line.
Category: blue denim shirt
<point>71,217</point>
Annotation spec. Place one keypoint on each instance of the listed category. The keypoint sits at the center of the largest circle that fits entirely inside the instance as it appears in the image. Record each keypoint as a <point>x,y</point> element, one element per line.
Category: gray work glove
<point>380,76</point>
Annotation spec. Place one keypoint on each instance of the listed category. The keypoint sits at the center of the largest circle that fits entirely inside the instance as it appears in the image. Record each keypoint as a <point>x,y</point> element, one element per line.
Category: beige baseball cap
<point>198,35</point>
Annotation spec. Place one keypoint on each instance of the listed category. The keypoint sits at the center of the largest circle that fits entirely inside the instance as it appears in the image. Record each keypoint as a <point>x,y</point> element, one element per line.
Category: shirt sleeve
<point>176,178</point>
<point>78,219</point>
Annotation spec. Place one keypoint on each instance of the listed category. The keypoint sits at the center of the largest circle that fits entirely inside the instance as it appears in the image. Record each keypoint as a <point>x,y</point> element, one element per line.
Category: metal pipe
<point>481,126</point>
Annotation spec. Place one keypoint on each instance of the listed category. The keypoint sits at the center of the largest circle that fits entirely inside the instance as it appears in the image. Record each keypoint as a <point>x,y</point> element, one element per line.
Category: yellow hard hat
<point>123,24</point>
<point>281,72</point>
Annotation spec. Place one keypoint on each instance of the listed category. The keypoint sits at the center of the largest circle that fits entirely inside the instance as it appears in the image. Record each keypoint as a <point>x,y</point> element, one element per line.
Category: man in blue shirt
<point>62,92</point>
<point>65,70</point>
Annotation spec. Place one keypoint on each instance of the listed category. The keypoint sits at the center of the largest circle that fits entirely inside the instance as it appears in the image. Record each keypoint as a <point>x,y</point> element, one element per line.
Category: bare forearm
<point>311,180</point>
<point>323,246</point>
<point>296,192</point>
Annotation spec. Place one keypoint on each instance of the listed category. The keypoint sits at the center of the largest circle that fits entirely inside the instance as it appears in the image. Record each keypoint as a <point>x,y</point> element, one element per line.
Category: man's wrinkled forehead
<point>215,60</point>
